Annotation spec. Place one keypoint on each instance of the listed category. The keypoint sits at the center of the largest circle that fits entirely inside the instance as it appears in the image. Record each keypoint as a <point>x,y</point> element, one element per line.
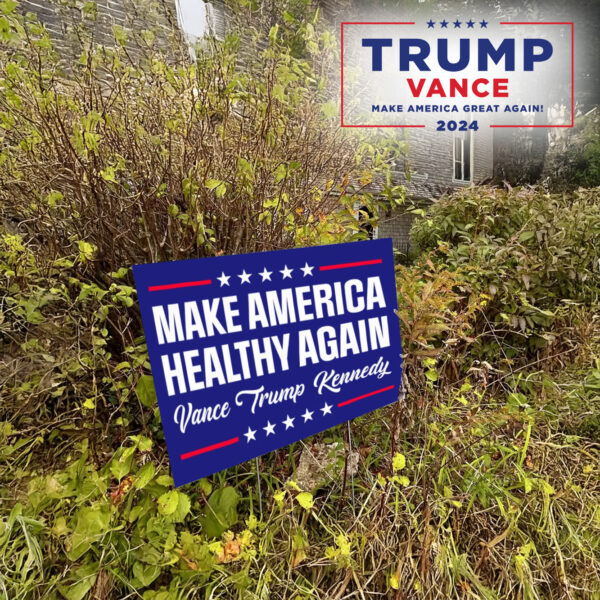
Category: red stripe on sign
<point>206,449</point>
<point>385,389</point>
<point>352,264</point>
<point>173,286</point>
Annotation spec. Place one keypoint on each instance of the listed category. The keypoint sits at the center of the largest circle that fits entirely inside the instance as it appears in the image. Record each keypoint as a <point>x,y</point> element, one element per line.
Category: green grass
<point>482,482</point>
<point>498,496</point>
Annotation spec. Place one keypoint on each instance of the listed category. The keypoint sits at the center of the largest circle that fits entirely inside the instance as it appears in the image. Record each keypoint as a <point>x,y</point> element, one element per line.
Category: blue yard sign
<point>252,352</point>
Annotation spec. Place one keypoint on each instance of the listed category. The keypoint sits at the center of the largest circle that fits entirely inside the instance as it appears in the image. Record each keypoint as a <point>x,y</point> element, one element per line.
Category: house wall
<point>430,158</point>
<point>519,154</point>
<point>431,167</point>
<point>396,225</point>
<point>61,17</point>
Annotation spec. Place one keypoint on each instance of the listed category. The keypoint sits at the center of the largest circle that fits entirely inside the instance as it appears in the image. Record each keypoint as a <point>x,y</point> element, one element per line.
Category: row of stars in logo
<point>286,273</point>
<point>470,24</point>
<point>269,429</point>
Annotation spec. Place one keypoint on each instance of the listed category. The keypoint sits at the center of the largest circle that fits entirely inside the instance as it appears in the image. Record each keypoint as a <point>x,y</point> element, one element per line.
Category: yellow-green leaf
<point>398,462</point>
<point>305,500</point>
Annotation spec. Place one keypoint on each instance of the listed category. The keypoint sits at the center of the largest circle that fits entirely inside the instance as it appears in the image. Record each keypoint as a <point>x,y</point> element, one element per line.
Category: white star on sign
<point>266,275</point>
<point>224,279</point>
<point>287,273</point>
<point>245,277</point>
<point>307,270</point>
<point>251,435</point>
<point>326,410</point>
<point>270,429</point>
<point>288,422</point>
<point>307,415</point>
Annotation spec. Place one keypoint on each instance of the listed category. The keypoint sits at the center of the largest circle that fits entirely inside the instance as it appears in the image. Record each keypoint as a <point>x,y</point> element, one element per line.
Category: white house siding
<point>431,167</point>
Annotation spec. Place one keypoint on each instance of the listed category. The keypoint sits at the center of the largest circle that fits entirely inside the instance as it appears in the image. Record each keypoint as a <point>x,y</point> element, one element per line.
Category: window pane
<point>467,161</point>
<point>458,156</point>
<point>457,149</point>
<point>457,170</point>
<point>365,220</point>
<point>192,15</point>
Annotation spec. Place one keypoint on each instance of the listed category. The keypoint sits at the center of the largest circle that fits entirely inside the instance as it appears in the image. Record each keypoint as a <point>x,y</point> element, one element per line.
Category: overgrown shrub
<point>126,158</point>
<point>131,157</point>
<point>574,160</point>
<point>143,157</point>
<point>524,251</point>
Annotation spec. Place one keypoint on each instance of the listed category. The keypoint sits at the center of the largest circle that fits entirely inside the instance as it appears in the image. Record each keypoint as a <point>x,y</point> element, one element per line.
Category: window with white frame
<point>463,155</point>
<point>198,18</point>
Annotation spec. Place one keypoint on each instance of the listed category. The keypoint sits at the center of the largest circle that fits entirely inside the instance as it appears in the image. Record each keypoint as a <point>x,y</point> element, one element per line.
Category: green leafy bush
<point>138,158</point>
<point>523,251</point>
<point>575,159</point>
<point>126,158</point>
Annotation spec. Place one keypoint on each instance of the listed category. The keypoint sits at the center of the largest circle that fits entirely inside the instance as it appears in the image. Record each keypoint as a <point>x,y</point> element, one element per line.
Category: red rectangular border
<point>572,24</point>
